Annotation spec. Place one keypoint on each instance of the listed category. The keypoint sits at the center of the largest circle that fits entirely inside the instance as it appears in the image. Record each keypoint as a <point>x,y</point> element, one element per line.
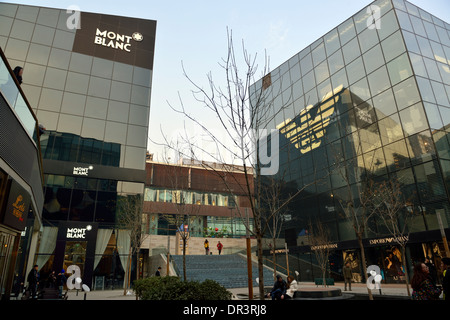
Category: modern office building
<point>368,100</point>
<point>87,77</point>
<point>209,198</point>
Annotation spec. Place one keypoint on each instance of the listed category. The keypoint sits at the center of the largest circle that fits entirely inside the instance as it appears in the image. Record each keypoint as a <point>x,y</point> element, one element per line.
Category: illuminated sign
<point>307,135</point>
<point>17,208</point>
<point>81,171</point>
<point>77,233</point>
<point>116,41</point>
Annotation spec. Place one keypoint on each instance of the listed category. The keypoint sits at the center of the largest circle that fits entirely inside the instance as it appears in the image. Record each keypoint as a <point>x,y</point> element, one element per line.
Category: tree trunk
<point>184,259</point>
<point>406,270</point>
<point>363,258</point>
<point>128,274</point>
<point>260,266</point>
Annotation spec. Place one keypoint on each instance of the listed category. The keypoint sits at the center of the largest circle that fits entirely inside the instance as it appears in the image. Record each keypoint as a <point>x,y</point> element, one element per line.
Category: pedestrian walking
<point>422,284</point>
<point>347,271</point>
<point>158,272</point>
<point>219,247</point>
<point>206,245</point>
<point>61,281</point>
<point>446,279</point>
<point>33,281</point>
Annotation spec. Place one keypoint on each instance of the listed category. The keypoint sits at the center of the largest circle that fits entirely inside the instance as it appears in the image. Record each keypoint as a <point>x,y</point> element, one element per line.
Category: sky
<point>194,34</point>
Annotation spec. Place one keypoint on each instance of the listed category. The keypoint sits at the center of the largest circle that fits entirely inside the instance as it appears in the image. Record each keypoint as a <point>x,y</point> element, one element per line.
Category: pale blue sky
<point>195,32</point>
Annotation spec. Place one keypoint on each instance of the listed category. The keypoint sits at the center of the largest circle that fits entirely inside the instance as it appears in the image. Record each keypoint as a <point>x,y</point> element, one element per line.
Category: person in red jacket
<point>219,247</point>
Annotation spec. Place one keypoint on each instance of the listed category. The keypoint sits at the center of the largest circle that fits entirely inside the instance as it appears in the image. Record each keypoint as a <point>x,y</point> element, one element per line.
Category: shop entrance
<point>75,254</point>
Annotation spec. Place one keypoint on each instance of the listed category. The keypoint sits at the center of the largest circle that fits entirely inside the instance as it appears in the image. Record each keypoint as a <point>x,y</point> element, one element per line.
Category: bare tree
<point>129,217</point>
<point>321,245</point>
<point>244,115</point>
<point>394,211</point>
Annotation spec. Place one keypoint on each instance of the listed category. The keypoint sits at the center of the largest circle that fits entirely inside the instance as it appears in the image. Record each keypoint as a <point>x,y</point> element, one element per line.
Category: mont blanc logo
<point>81,171</point>
<point>77,233</point>
<point>115,40</point>
<point>137,36</point>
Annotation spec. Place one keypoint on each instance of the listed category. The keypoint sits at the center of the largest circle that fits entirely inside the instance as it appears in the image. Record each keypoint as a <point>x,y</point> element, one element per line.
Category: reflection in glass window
<point>332,42</point>
<point>373,59</point>
<point>397,156</point>
<point>346,31</point>
<point>429,181</point>
<point>351,51</point>
<point>433,115</point>
<point>378,81</point>
<point>399,69</point>
<point>393,46</point>
<point>389,25</point>
<point>413,119</point>
<point>420,147</point>
<point>425,89</point>
<point>390,129</point>
<point>384,104</point>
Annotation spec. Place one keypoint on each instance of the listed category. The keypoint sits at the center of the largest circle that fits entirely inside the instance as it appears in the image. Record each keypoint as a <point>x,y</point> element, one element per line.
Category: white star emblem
<point>137,36</point>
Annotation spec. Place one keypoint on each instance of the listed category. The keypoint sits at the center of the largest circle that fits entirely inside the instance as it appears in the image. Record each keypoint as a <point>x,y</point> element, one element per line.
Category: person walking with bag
<point>422,284</point>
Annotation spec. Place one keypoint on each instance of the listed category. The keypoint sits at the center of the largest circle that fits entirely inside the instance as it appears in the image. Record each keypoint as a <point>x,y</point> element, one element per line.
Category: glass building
<point>371,98</point>
<point>87,77</point>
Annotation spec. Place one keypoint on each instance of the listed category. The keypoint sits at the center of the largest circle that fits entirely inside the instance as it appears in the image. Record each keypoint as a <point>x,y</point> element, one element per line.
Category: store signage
<point>389,240</point>
<point>308,129</point>
<point>77,233</point>
<point>82,171</point>
<point>116,41</point>
<point>17,207</point>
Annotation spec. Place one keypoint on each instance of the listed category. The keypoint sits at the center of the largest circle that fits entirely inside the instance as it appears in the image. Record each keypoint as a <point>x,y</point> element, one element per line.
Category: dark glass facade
<point>90,88</point>
<point>369,98</point>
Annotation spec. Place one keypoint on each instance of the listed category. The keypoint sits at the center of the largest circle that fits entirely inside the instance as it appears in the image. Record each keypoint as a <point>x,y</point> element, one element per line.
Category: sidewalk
<point>387,290</point>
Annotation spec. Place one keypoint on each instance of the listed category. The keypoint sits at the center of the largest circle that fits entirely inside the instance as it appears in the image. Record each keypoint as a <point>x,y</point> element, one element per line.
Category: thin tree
<point>129,217</point>
<point>320,241</point>
<point>244,115</point>
<point>394,211</point>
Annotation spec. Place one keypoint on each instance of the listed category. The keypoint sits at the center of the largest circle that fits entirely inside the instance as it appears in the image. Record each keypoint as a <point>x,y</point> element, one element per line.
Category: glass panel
<point>93,128</point>
<point>339,78</point>
<point>77,82</point>
<point>59,58</point>
<point>361,89</point>
<point>384,104</point>
<point>393,46</point>
<point>374,162</point>
<point>336,62</point>
<point>70,124</point>
<point>16,49</point>
<point>413,119</point>
<point>399,69</point>
<point>425,89</point>
<point>122,72</point>
<point>367,39</point>
<point>434,117</point>
<point>373,59</point>
<point>378,81</point>
<point>346,31</point>
<point>33,74</point>
<point>432,69</point>
<point>332,42</point>
<point>388,24</point>
<point>390,129</point>
<point>439,93</point>
<point>96,108</point>
<point>50,100</point>
<point>140,95</point>
<point>431,31</point>
<point>406,93</point>
<point>99,87</point>
<point>63,40</point>
<point>351,50</point>
<point>418,26</point>
<point>411,42</point>
<point>80,63</point>
<point>321,72</point>
<point>120,91</point>
<point>397,156</point>
<point>355,70</point>
<point>55,78</point>
<point>425,47</point>
<point>139,115</point>
<point>429,181</point>
<point>102,68</point>
<point>420,147</point>
<point>418,65</point>
<point>43,35</point>
<point>73,103</point>
<point>404,21</point>
<point>118,111</point>
<point>306,64</point>
<point>22,30</point>
<point>308,82</point>
<point>318,54</point>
